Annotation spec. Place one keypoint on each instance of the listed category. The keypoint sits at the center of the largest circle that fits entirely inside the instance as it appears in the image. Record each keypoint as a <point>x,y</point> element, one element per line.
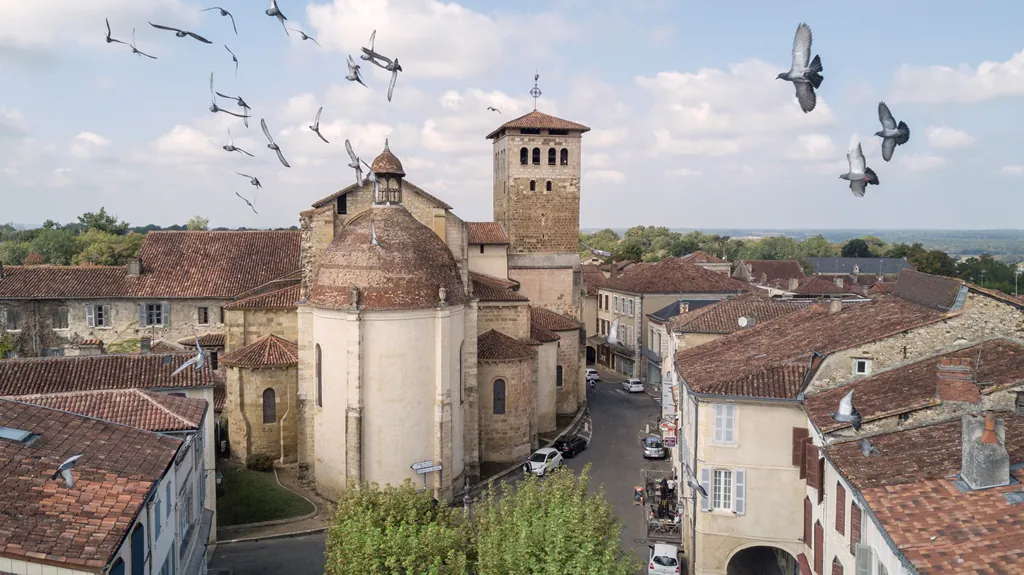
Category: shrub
<point>260,461</point>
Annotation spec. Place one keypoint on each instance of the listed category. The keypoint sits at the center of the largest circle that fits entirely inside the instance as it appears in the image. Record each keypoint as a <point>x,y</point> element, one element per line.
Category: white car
<point>592,375</point>
<point>664,560</point>
<point>543,461</point>
<point>633,385</point>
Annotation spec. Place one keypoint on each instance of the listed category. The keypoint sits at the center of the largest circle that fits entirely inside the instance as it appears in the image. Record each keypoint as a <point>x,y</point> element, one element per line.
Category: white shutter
<point>740,484</point>
<point>864,559</point>
<point>166,315</point>
<point>730,424</point>
<point>108,320</point>
<point>705,482</point>
<point>90,316</point>
<point>142,315</point>
<point>719,423</point>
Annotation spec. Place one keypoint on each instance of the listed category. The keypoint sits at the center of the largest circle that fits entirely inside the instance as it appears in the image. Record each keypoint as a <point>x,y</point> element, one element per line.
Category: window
<point>551,156</point>
<point>213,360</point>
<point>837,566</point>
<point>547,186</point>
<point>269,406</point>
<point>481,248</point>
<point>565,157</point>
<point>138,550</point>
<point>53,352</point>
<point>319,378</point>
<point>178,394</point>
<point>881,568</point>
<point>855,527</point>
<point>861,366</point>
<point>11,319</point>
<point>524,156</point>
<point>863,559</point>
<point>499,396</point>
<point>462,374</point>
<point>118,568</point>
<point>536,156</point>
<point>341,204</point>
<point>808,517</point>
<point>203,315</point>
<point>819,548</point>
<point>558,376</point>
<point>166,568</point>
<point>97,315</point>
<point>185,519</point>
<point>533,131</point>
<point>157,519</point>
<point>60,317</point>
<point>725,424</point>
<point>154,314</point>
<point>533,185</point>
<point>617,306</point>
<point>722,498</point>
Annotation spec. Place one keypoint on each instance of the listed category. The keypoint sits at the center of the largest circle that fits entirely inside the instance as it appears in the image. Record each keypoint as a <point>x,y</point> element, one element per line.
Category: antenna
<point>535,92</point>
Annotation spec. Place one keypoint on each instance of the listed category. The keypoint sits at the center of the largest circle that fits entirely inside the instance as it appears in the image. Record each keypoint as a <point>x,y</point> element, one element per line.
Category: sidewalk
<point>289,479</point>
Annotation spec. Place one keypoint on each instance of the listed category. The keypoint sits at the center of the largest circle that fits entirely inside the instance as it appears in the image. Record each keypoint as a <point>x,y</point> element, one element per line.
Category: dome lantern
<point>389,173</point>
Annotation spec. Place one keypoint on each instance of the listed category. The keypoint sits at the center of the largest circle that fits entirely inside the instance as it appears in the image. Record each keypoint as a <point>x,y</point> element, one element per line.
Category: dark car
<point>571,446</point>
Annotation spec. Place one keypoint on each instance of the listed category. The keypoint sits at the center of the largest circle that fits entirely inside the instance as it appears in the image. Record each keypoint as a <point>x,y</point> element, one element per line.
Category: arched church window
<point>319,378</point>
<point>269,406</point>
<point>551,156</point>
<point>558,376</point>
<point>565,157</point>
<point>533,185</point>
<point>547,186</point>
<point>536,156</point>
<point>524,156</point>
<point>499,396</point>
<point>462,374</point>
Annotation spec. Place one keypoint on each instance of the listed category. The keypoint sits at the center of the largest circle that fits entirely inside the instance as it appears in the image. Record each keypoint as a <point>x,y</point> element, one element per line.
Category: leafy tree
<point>105,249</point>
<point>394,530</point>
<point>875,245</point>
<point>818,247</point>
<point>936,262</point>
<point>550,528</point>
<point>198,223</point>
<point>902,250</point>
<point>12,253</point>
<point>56,245</point>
<point>773,248</point>
<point>856,248</point>
<point>33,259</point>
<point>103,222</point>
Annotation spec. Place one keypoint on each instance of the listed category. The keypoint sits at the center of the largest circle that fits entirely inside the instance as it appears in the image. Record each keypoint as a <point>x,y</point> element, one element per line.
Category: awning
<point>649,354</point>
<point>597,339</point>
<point>621,350</point>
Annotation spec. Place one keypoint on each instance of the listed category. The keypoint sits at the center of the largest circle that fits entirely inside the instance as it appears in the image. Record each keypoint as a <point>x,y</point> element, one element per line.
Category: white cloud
<point>45,22</point>
<point>12,123</point>
<point>603,138</point>
<point>90,146</point>
<point>682,173</point>
<point>451,100</point>
<point>966,85</point>
<point>946,138</point>
<point>614,176</point>
<point>815,147</point>
<point>1016,170</point>
<point>922,162</point>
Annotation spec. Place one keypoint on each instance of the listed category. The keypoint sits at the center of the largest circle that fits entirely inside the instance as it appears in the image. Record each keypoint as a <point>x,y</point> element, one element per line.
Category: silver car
<point>654,448</point>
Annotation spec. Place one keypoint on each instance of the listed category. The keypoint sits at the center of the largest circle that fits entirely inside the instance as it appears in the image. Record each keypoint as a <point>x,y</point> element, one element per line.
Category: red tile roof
<point>774,269</point>
<point>487,233</point>
<point>882,287</point>
<point>552,321</point>
<point>702,257</point>
<point>495,346</point>
<point>132,407</point>
<point>92,372</point>
<point>163,348</point>
<point>490,288</point>
<point>820,285</point>
<point>220,395</point>
<point>267,351</point>
<point>64,282</point>
<point>931,291</point>
<point>540,120</point>
<point>542,335</point>
<point>82,527</point>
<point>673,275</point>
<point>723,317</point>
<point>406,187</point>
<point>284,298</point>
<point>999,363</point>
<point>737,357</point>
<point>205,340</point>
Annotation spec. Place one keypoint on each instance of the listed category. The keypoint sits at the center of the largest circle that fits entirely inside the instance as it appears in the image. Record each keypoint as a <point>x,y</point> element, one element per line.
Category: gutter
<point>712,396</point>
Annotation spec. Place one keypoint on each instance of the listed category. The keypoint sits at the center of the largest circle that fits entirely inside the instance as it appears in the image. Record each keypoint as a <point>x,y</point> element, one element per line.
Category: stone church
<point>409,336</point>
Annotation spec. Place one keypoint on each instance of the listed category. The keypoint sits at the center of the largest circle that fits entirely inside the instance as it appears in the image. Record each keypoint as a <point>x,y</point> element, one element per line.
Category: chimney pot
<point>835,305</point>
<point>684,307</point>
<point>989,434</point>
<point>764,278</point>
<point>135,267</point>
<point>838,281</point>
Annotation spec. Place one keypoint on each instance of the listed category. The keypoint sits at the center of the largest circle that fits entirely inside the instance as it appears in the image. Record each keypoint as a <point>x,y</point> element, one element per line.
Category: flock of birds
<point>354,75</point>
<point>805,74</point>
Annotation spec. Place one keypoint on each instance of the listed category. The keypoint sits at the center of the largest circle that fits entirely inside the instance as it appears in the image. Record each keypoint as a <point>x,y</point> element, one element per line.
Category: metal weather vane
<point>535,92</point>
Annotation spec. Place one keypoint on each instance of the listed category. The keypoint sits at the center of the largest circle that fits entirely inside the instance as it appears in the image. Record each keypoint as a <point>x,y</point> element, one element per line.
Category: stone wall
<point>571,358</point>
<point>246,430</point>
<point>317,233</point>
<point>506,437</point>
<point>551,288</point>
<point>511,319</point>
<point>547,392</point>
<point>306,385</point>
<point>243,327</point>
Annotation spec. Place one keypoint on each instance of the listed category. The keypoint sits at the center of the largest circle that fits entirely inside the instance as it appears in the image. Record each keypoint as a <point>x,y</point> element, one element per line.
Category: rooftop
<point>936,292</point>
<point>205,340</point>
<point>702,257</point>
<point>132,407</point>
<point>387,163</point>
<point>490,288</point>
<point>283,298</point>
<point>869,266</point>
<point>722,317</point>
<point>486,233</point>
<point>495,346</point>
<point>552,321</point>
<point>773,270</point>
<point>93,372</point>
<point>267,351</point>
<point>672,310</point>
<point>820,285</point>
<point>82,527</point>
<point>539,120</point>
<point>368,188</point>
<point>673,275</point>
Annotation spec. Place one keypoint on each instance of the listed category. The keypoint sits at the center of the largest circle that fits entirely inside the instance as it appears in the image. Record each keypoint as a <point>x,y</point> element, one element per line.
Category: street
<point>302,555</point>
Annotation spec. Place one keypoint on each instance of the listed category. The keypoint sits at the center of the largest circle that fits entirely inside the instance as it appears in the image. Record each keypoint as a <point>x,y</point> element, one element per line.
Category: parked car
<point>569,447</point>
<point>663,560</point>
<point>633,385</point>
<point>592,375</point>
<point>543,461</point>
<point>654,448</point>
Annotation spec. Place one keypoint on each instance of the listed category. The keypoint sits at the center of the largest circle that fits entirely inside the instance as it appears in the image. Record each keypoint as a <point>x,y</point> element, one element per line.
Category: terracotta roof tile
<point>387,163</point>
<point>291,279</point>
<point>267,351</point>
<point>552,321</point>
<point>673,275</point>
<point>368,188</point>
<point>792,338</point>
<point>702,257</point>
<point>593,278</point>
<point>774,269</point>
<point>205,340</point>
<point>84,525</point>
<point>936,292</point>
<point>284,298</point>
<point>92,372</point>
<point>541,120</point>
<point>910,387</point>
<point>820,285</point>
<point>132,407</point>
<point>66,282</point>
<point>163,348</point>
<point>723,316</point>
<point>777,381</point>
<point>495,346</point>
<point>220,395</point>
<point>91,342</point>
<point>490,288</point>
<point>882,287</point>
<point>487,233</point>
<point>541,335</point>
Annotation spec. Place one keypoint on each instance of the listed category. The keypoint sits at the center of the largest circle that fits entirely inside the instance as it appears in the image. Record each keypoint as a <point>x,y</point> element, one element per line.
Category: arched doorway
<point>762,560</point>
<point>591,355</point>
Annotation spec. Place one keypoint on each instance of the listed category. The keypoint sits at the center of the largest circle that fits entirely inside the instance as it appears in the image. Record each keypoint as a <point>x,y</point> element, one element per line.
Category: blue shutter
<point>157,520</point>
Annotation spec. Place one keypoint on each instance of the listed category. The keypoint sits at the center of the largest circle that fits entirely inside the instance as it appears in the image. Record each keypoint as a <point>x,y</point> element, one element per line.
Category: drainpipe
<point>696,441</point>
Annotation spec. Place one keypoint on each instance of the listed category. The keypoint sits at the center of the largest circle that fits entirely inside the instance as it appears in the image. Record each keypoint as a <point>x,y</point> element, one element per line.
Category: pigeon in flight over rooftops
<point>252,180</point>
<point>374,57</point>
<point>223,12</point>
<point>109,38</point>
<point>316,125</point>
<point>273,145</point>
<point>198,360</point>
<point>246,109</point>
<point>355,164</point>
<point>276,12</point>
<point>252,207</point>
<point>353,72</point>
<point>696,486</point>
<point>233,59</point>
<point>136,50</point>
<point>867,450</point>
<point>597,252</point>
<point>66,471</point>
<point>892,134</point>
<point>394,68</point>
<point>493,109</point>
<point>374,241</point>
<point>306,36</point>
<point>805,74</point>
<point>230,147</point>
<point>213,102</point>
<point>181,33</point>
<point>859,175</point>
<point>847,412</point>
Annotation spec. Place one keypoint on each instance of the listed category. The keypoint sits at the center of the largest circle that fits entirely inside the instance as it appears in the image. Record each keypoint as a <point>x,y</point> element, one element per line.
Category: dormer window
<point>861,366</point>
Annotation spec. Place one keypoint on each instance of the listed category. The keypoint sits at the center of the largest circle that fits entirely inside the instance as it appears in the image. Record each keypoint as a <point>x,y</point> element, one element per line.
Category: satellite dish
<point>743,321</point>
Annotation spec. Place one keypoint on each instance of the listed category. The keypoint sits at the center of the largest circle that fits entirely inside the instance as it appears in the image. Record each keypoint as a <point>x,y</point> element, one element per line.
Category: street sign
<point>422,465</point>
<point>423,470</point>
<point>670,441</point>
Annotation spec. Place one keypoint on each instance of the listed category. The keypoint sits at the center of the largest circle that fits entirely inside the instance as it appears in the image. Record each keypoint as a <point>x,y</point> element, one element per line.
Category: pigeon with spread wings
<point>847,412</point>
<point>316,125</point>
<point>273,145</point>
<point>892,134</point>
<point>65,470</point>
<point>181,33</point>
<point>111,39</point>
<point>356,163</point>
<point>804,73</point>
<point>859,175</point>
<point>224,12</point>
<point>136,50</point>
<point>275,12</point>
<point>230,147</point>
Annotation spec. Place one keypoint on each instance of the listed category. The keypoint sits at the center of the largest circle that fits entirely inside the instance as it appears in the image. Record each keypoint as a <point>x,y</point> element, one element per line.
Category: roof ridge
<point>160,406</point>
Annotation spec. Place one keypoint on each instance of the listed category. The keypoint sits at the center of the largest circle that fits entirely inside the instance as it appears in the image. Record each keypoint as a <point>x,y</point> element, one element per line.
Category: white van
<point>592,375</point>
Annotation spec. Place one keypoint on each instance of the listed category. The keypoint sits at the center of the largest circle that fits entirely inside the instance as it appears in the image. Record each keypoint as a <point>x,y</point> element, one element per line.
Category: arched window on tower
<point>565,157</point>
<point>319,377</point>
<point>547,186</point>
<point>524,156</point>
<point>551,156</point>
<point>536,156</point>
<point>269,406</point>
<point>499,396</point>
<point>533,185</point>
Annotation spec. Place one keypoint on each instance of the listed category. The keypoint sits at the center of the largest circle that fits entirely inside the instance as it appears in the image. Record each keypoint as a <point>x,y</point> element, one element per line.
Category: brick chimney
<point>793,283</point>
<point>984,462</point>
<point>145,344</point>
<point>135,267</point>
<point>835,305</point>
<point>955,380</point>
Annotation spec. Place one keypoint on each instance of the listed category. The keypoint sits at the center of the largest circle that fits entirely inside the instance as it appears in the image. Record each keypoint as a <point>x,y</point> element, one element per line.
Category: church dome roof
<point>387,163</point>
<point>393,260</point>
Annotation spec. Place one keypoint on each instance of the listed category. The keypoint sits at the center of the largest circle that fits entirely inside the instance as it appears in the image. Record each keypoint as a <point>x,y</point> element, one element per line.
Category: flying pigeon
<point>248,202</point>
<point>198,360</point>
<point>355,165</point>
<point>373,236</point>
<point>859,175</point>
<point>273,145</point>
<point>65,470</point>
<point>493,109</point>
<point>213,102</point>
<point>109,39</point>
<point>696,486</point>
<point>306,36</point>
<point>371,56</point>
<point>805,77</point>
<point>181,33</point>
<point>223,12</point>
<point>866,449</point>
<point>371,178</point>
<point>136,50</point>
<point>353,72</point>
<point>246,109</point>
<point>892,134</point>
<point>597,252</point>
<point>316,125</point>
<point>252,180</point>
<point>233,59</point>
<point>231,146</point>
<point>394,68</point>
<point>847,412</point>
<point>275,11</point>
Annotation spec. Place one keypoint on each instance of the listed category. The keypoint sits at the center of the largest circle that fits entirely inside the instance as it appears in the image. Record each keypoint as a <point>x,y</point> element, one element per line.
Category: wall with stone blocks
<point>247,431</point>
<point>511,319</point>
<point>548,288</point>
<point>243,327</point>
<point>506,437</point>
<point>570,357</point>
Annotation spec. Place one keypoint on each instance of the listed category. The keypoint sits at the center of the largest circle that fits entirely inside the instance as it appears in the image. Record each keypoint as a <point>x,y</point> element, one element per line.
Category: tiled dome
<point>387,163</point>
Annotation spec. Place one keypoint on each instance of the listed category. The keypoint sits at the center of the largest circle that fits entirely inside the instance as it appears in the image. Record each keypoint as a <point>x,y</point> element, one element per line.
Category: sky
<point>690,128</point>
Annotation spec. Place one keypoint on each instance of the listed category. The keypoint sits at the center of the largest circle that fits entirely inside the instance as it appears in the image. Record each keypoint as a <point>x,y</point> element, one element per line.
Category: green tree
<point>198,223</point>
<point>875,245</point>
<point>104,249</point>
<point>552,527</point>
<point>12,253</point>
<point>103,222</point>
<point>773,248</point>
<point>856,248</point>
<point>818,247</point>
<point>935,262</point>
<point>56,245</point>
<point>392,530</point>
<point>902,250</point>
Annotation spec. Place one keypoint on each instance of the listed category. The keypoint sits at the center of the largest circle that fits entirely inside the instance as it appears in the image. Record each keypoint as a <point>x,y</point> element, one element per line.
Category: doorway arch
<point>591,355</point>
<point>762,560</point>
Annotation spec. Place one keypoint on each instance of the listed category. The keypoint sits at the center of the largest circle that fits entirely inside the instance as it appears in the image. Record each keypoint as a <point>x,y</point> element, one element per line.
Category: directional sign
<point>422,465</point>
<point>423,470</point>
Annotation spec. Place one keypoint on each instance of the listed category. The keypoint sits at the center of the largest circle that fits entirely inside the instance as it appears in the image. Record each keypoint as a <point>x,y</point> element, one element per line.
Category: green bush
<point>260,461</point>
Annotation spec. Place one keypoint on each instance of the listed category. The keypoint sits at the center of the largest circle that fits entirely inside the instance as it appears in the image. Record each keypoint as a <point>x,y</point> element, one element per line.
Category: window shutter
<point>719,423</point>
<point>811,457</point>
<point>837,567</point>
<point>864,558</point>
<point>799,433</point>
<point>730,424</point>
<point>166,315</point>
<point>142,315</point>
<point>821,480</point>
<point>855,519</point>
<point>107,318</point>
<point>740,499</point>
<point>705,482</point>
<point>840,508</point>
<point>819,548</point>
<point>157,521</point>
<point>808,516</point>
<point>803,456</point>
<point>90,316</point>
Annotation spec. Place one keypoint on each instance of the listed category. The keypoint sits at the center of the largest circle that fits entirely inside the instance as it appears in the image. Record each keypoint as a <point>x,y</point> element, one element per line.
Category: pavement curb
<point>274,536</point>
